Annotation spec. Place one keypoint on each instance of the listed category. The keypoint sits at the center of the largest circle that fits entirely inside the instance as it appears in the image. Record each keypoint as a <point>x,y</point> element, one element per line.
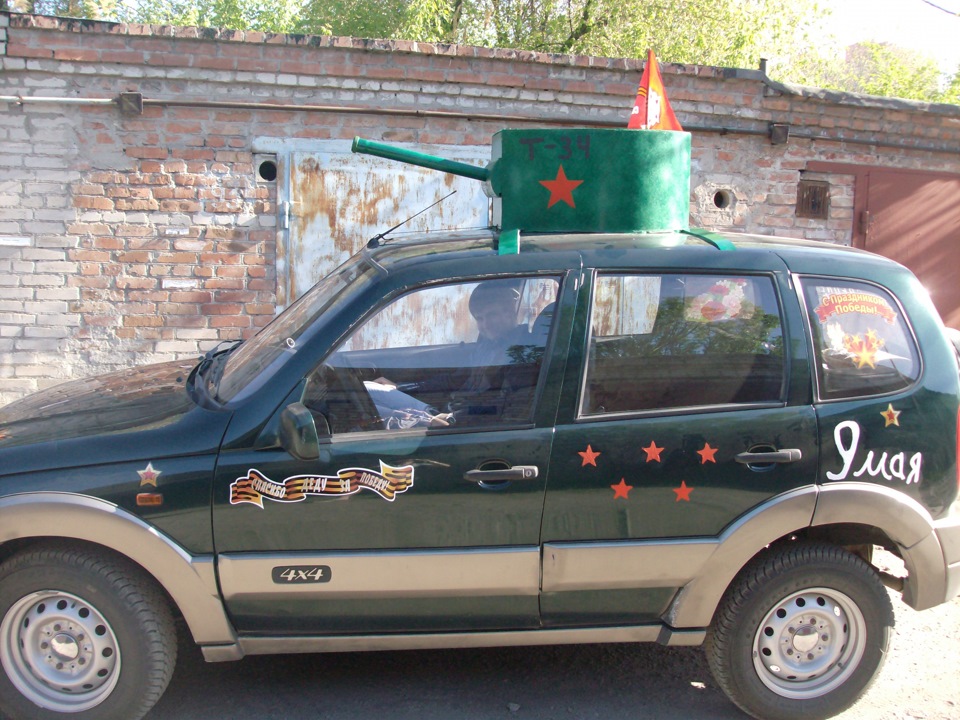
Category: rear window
<point>682,341</point>
<point>862,341</point>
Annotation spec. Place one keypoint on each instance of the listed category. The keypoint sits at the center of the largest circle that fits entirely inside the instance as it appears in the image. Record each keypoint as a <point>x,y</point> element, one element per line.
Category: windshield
<point>258,359</point>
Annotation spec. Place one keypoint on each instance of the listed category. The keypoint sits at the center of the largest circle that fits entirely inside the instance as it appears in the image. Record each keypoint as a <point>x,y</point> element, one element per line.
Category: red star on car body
<point>683,492</point>
<point>653,452</point>
<point>621,489</point>
<point>561,188</point>
<point>891,416</point>
<point>707,454</point>
<point>589,457</point>
<point>149,475</point>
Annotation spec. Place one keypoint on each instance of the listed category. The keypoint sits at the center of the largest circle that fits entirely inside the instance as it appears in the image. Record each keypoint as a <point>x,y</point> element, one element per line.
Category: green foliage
<point>951,94</point>
<point>734,33</point>
<point>91,9</point>
<point>873,68</point>
<point>264,15</point>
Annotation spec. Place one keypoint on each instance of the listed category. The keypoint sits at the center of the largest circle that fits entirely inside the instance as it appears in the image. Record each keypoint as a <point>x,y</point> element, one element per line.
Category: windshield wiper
<point>208,357</point>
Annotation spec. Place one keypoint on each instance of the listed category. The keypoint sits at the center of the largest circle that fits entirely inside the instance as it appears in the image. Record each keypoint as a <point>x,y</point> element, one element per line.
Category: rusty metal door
<point>331,201</point>
<point>914,218</point>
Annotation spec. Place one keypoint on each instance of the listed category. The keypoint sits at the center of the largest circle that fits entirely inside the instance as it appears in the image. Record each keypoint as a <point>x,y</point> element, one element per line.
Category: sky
<point>911,24</point>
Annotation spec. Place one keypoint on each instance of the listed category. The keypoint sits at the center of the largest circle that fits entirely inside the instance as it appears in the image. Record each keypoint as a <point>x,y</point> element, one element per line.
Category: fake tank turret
<point>574,180</point>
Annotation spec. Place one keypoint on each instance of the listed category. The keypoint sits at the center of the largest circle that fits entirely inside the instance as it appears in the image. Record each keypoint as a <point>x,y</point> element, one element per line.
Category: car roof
<point>800,255</point>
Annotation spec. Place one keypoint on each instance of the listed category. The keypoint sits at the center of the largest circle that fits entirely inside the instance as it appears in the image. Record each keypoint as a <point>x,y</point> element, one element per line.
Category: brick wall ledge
<point>62,24</point>
<point>75,25</point>
<point>847,98</point>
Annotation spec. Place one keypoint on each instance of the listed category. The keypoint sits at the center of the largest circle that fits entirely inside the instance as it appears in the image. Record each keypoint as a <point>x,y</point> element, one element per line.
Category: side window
<point>862,342</point>
<point>677,341</point>
<point>440,356</point>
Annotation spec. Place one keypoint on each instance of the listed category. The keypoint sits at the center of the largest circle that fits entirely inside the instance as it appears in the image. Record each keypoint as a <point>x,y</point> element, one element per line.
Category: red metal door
<point>914,218</point>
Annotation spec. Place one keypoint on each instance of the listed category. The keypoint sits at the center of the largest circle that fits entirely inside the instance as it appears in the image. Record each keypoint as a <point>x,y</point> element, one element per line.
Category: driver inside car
<point>496,365</point>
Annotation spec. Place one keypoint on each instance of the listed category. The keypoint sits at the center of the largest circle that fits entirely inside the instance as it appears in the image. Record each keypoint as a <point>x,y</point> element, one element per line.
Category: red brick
<point>237,321</point>
<point>93,202</point>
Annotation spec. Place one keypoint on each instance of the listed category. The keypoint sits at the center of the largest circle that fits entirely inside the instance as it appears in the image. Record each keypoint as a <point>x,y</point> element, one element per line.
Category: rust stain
<point>338,203</point>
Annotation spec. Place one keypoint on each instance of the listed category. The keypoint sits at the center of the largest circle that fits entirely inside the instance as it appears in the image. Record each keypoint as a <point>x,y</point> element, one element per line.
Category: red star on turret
<point>589,457</point>
<point>561,188</point>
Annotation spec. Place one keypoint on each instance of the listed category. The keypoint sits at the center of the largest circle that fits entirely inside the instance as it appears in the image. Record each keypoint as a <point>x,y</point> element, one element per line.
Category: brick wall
<point>128,237</point>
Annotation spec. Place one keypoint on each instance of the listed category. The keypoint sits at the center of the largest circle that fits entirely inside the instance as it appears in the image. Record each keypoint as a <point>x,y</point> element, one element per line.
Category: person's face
<point>494,320</point>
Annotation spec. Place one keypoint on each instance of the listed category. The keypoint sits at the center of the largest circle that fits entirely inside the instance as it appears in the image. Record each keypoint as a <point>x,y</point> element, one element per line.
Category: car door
<point>690,406</point>
<point>420,508</point>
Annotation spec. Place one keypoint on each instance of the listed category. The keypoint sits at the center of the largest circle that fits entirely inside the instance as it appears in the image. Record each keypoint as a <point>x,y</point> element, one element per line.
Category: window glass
<point>862,341</point>
<point>671,341</point>
<point>260,357</point>
<point>460,354</point>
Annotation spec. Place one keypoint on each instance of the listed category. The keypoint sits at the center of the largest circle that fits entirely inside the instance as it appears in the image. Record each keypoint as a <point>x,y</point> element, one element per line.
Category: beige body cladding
<point>701,567</point>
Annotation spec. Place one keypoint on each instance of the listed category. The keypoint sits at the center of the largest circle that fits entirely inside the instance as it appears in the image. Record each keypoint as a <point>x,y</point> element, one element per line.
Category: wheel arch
<point>886,511</point>
<point>902,519</point>
<point>695,604</point>
<point>189,580</point>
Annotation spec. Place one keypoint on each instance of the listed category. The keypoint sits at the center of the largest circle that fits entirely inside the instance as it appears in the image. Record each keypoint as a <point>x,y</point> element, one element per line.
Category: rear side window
<point>862,341</point>
<point>678,341</point>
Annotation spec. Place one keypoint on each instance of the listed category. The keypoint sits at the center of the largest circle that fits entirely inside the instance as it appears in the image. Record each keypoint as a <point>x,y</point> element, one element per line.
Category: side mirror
<point>298,432</point>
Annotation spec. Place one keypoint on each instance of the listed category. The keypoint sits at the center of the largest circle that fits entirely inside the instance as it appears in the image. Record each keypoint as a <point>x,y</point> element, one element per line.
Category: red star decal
<point>891,416</point>
<point>683,492</point>
<point>708,454</point>
<point>561,188</point>
<point>653,452</point>
<point>589,457</point>
<point>621,489</point>
<point>148,476</point>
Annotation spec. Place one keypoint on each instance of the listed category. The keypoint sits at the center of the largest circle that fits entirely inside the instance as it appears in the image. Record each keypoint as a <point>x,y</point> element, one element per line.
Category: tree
<point>714,32</point>
<point>92,9</point>
<point>873,68</point>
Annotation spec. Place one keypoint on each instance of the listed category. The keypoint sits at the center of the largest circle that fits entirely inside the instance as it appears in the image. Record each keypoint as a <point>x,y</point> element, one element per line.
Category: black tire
<point>801,633</point>
<point>83,636</point>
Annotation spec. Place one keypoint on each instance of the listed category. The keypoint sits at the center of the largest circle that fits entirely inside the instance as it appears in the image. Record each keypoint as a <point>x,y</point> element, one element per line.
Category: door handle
<point>774,456</point>
<point>517,472</point>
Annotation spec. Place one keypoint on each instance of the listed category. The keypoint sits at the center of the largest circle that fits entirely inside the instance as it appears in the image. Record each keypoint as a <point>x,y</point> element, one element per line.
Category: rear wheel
<point>82,636</point>
<point>801,633</point>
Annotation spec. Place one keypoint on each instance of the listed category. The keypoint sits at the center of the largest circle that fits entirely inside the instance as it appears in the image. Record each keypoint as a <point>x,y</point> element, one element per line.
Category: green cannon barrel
<point>369,147</point>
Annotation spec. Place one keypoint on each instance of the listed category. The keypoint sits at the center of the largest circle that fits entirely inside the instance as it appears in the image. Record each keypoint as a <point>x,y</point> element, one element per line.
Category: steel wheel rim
<point>59,651</point>
<point>809,643</point>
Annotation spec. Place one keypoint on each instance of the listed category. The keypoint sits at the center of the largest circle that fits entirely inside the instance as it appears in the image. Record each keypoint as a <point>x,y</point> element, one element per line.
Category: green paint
<point>509,242</point>
<point>611,180</point>
<point>715,239</point>
<point>369,147</point>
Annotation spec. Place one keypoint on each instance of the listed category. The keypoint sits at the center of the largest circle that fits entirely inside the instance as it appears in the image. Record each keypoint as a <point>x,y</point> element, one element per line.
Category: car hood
<point>82,418</point>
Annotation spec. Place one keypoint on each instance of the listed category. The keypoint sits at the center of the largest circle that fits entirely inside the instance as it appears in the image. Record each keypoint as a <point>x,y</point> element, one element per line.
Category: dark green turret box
<point>577,179</point>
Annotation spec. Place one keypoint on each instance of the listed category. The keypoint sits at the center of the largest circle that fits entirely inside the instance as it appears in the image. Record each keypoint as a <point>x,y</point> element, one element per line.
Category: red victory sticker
<point>855,302</point>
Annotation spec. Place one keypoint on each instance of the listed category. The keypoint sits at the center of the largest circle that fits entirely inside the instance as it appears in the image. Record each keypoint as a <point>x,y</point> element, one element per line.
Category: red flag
<point>652,110</point>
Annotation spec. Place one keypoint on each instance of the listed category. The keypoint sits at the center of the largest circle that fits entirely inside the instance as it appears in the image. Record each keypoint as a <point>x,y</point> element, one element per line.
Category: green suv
<point>604,428</point>
<point>666,438</point>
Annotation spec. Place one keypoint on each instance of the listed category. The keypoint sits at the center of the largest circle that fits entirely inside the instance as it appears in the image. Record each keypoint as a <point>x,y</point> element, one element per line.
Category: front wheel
<point>801,633</point>
<point>83,636</point>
